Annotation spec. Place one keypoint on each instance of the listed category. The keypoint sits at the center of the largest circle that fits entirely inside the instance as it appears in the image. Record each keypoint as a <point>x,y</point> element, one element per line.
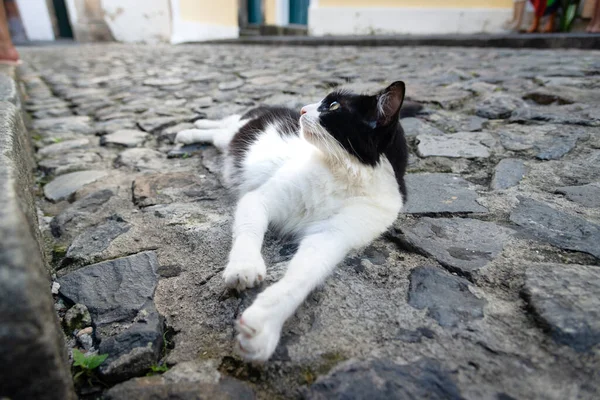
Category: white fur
<point>306,185</point>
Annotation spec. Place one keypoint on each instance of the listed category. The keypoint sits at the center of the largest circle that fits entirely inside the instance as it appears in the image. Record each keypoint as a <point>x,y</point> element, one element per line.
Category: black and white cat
<point>332,175</point>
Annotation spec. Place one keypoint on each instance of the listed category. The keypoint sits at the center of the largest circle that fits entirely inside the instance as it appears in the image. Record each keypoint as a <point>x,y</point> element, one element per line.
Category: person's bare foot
<point>535,25</point>
<point>8,54</point>
<point>595,28</point>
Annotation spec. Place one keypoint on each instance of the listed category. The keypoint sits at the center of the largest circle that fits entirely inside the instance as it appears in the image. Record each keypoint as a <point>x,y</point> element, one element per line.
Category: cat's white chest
<point>310,192</point>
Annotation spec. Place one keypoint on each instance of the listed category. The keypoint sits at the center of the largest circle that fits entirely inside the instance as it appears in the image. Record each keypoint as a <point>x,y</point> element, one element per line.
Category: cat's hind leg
<point>217,123</point>
<point>220,136</point>
<point>189,136</point>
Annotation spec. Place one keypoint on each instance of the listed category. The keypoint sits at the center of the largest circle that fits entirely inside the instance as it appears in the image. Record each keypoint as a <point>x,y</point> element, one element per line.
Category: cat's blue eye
<point>334,106</point>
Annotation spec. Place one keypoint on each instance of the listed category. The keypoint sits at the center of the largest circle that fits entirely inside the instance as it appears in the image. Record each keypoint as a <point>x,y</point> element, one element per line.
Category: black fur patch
<point>368,126</point>
<point>259,119</point>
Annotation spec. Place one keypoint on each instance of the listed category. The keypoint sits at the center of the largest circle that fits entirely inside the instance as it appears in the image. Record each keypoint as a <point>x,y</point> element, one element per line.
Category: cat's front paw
<point>185,137</point>
<point>259,330</point>
<point>243,273</point>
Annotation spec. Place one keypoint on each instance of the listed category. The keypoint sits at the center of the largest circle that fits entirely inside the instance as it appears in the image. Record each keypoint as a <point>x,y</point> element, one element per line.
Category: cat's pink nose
<point>303,111</point>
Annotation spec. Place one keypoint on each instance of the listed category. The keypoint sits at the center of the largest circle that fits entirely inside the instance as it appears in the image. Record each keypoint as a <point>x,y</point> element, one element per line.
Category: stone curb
<point>535,41</point>
<point>33,358</point>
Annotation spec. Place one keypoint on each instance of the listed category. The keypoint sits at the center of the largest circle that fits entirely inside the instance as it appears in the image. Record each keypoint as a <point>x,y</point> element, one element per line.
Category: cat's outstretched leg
<point>260,325</point>
<point>217,123</point>
<point>189,136</point>
<point>219,133</point>
<point>246,267</point>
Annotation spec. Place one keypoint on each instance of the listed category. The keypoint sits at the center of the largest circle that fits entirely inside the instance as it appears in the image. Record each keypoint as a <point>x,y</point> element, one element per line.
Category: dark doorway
<point>254,12</point>
<point>62,19</point>
<point>299,12</point>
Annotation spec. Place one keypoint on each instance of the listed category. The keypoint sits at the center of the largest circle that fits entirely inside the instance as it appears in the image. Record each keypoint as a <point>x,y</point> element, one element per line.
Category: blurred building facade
<point>415,17</point>
<point>177,21</point>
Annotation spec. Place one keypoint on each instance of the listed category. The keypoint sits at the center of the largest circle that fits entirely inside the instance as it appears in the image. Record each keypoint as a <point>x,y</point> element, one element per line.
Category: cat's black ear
<point>389,102</point>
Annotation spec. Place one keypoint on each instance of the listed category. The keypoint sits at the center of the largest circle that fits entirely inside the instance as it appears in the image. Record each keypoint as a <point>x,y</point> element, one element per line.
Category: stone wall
<point>33,359</point>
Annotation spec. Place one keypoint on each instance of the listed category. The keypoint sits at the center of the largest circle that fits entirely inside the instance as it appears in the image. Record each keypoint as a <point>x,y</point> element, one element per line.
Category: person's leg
<point>8,53</point>
<point>508,24</point>
<point>550,24</point>
<point>540,7</point>
<point>594,26</point>
<point>518,11</point>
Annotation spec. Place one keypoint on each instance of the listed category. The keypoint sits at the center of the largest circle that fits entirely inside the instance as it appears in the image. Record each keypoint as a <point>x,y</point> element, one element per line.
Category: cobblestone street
<point>486,287</point>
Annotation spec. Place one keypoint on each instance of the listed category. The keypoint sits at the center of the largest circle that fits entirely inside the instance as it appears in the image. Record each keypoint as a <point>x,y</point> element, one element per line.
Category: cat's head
<point>345,124</point>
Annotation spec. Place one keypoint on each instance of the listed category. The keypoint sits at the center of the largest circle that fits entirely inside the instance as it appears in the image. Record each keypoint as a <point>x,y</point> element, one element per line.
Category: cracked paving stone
<point>508,173</point>
<point>383,379</point>
<point>415,127</point>
<point>114,290</point>
<point>586,195</point>
<point>163,81</point>
<point>65,185</point>
<point>141,159</point>
<point>230,85</point>
<point>566,301</point>
<point>552,94</point>
<point>69,218</point>
<point>60,148</point>
<point>160,388</point>
<point>461,144</point>
<point>570,114</point>
<point>440,193</point>
<point>446,297</point>
<point>159,188</point>
<point>548,142</point>
<point>201,103</point>
<point>450,122</point>
<point>446,97</point>
<point>113,125</point>
<point>154,124</point>
<point>558,228</point>
<point>88,246</point>
<point>136,349</point>
<point>461,244</point>
<point>70,162</point>
<point>76,124</point>
<point>126,138</point>
<point>499,106</point>
<point>52,113</point>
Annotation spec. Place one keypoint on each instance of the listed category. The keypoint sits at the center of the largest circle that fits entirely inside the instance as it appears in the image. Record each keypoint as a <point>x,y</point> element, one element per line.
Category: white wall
<point>194,29</point>
<point>36,19</point>
<point>413,21</point>
<point>282,12</point>
<point>147,21</point>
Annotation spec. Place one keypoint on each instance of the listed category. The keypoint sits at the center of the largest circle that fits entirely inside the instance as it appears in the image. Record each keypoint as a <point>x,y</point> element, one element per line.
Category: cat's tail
<point>410,109</point>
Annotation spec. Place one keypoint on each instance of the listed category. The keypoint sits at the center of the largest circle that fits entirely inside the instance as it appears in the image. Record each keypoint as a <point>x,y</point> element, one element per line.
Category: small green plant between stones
<point>57,140</point>
<point>157,369</point>
<point>86,364</point>
<point>59,252</point>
